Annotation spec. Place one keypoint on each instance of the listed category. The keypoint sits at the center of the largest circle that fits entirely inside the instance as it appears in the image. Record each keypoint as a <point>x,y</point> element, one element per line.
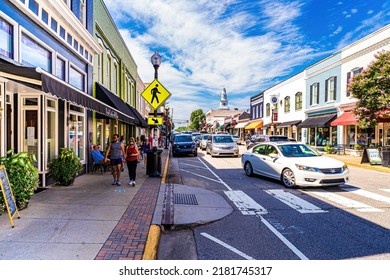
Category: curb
<point>152,241</point>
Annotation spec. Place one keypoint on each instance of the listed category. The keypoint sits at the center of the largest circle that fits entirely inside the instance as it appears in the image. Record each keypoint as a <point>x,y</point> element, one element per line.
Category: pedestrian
<point>132,154</point>
<point>122,140</point>
<point>146,147</point>
<point>116,150</point>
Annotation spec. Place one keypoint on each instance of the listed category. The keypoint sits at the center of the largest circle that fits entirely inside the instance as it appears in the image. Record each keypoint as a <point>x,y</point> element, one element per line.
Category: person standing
<point>132,154</point>
<point>116,150</point>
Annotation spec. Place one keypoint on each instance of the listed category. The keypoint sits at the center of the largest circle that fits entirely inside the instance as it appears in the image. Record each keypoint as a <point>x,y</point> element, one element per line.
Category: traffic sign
<point>155,121</point>
<point>155,94</point>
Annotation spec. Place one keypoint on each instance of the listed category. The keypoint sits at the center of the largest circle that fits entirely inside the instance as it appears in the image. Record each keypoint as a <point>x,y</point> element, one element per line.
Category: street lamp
<point>156,61</point>
<point>166,125</point>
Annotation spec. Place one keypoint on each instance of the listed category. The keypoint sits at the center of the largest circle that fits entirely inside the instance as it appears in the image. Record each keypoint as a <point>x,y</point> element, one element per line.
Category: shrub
<point>22,175</point>
<point>329,149</point>
<point>358,147</point>
<point>65,167</point>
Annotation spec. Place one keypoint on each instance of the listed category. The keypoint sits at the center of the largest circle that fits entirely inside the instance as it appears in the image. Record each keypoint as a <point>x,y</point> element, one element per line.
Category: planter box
<point>353,152</point>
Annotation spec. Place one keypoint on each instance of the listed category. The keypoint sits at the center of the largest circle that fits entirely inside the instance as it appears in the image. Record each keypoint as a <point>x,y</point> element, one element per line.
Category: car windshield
<point>298,150</point>
<point>277,138</point>
<point>205,136</point>
<point>223,139</point>
<point>183,138</point>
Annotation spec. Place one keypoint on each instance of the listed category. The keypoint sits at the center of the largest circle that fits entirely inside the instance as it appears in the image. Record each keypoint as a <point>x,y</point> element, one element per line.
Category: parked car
<point>258,138</point>
<point>184,144</point>
<point>196,137</point>
<point>221,145</point>
<point>237,139</point>
<point>294,164</point>
<point>203,141</point>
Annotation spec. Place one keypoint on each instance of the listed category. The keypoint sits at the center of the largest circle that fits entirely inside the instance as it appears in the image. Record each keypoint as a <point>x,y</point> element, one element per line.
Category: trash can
<point>386,156</point>
<point>150,154</point>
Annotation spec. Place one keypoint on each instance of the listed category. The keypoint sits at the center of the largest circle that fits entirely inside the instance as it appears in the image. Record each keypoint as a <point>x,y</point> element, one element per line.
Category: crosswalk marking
<point>367,194</point>
<point>295,202</point>
<point>245,204</point>
<point>386,190</point>
<point>348,203</point>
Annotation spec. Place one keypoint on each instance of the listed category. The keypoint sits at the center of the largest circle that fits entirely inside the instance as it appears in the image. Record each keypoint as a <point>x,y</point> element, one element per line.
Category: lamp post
<point>156,61</point>
<point>166,125</point>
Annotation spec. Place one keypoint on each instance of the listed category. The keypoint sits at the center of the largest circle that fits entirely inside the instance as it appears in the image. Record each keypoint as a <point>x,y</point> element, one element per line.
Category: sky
<point>242,46</point>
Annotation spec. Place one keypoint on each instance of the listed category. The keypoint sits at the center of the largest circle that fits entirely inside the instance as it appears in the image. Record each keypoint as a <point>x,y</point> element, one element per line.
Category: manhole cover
<point>188,199</point>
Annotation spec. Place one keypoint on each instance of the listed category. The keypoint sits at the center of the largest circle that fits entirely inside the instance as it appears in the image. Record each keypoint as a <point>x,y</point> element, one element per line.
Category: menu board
<point>372,156</point>
<point>7,194</point>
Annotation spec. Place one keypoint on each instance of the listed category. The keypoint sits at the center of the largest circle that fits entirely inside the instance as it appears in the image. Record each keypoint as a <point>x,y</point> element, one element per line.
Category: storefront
<point>254,127</point>
<point>319,131</point>
<point>290,129</point>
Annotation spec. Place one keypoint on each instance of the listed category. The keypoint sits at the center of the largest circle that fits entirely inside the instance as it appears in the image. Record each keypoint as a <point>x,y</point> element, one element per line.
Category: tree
<point>372,89</point>
<point>197,119</point>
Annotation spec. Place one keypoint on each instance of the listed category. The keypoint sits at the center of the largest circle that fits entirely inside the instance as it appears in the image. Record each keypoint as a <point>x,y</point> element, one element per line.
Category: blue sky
<point>243,46</point>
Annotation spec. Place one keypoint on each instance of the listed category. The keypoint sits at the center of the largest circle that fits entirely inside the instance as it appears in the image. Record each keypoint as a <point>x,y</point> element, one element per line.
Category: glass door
<point>31,127</point>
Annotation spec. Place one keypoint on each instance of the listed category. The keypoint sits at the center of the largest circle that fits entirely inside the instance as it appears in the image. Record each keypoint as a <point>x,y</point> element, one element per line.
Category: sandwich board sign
<point>155,94</point>
<point>8,196</point>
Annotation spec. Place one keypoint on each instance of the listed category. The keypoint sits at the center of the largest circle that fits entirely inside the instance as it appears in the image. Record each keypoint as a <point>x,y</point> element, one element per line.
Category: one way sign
<point>155,121</point>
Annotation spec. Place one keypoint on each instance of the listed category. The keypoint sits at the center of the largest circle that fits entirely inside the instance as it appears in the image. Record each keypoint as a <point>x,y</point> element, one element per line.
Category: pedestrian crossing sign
<point>155,121</point>
<point>155,94</point>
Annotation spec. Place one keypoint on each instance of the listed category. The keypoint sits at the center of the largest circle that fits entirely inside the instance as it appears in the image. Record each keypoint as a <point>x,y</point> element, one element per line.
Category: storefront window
<point>51,130</point>
<point>76,131</point>
<point>34,54</point>
<point>76,79</point>
<point>6,42</point>
<point>31,128</point>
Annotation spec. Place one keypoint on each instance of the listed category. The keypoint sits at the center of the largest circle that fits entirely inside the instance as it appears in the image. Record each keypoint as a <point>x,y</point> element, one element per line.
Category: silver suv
<point>258,138</point>
<point>221,145</point>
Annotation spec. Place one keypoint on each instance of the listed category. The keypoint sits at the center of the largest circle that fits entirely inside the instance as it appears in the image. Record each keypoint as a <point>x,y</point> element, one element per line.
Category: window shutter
<point>335,89</point>
<point>311,95</point>
<point>318,93</point>
<point>348,81</point>
<point>326,89</point>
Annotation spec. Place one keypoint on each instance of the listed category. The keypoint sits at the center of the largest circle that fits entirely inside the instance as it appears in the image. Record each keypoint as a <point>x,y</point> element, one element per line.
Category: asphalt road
<point>274,223</point>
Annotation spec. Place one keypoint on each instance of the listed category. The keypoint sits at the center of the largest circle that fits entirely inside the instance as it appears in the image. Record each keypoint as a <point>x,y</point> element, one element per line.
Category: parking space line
<point>227,246</point>
<point>201,176</point>
<point>212,172</point>
<point>195,166</point>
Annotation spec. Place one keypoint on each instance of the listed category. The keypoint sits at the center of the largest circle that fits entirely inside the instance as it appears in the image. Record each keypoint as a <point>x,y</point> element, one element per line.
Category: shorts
<point>115,161</point>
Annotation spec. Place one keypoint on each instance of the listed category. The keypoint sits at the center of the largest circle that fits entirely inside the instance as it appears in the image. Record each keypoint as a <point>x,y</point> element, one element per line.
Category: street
<point>273,223</point>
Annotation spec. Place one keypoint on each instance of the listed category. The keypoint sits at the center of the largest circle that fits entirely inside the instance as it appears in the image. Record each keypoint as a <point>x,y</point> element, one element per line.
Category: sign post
<point>8,196</point>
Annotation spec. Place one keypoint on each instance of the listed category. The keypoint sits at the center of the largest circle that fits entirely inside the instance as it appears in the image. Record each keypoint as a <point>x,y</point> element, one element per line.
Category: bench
<point>340,149</point>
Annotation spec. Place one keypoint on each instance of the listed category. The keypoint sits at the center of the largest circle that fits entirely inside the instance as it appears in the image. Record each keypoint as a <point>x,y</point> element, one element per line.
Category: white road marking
<point>192,165</point>
<point>348,203</point>
<point>201,176</point>
<point>386,190</point>
<point>367,194</point>
<point>245,204</point>
<point>227,246</point>
<point>295,202</point>
<point>283,239</point>
<point>212,172</point>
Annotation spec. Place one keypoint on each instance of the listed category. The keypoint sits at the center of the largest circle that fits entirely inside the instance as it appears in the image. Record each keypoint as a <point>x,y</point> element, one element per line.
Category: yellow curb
<point>377,168</point>
<point>151,246</point>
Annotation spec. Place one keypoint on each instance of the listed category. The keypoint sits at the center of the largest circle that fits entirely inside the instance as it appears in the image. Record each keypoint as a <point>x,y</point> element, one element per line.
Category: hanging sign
<point>8,196</point>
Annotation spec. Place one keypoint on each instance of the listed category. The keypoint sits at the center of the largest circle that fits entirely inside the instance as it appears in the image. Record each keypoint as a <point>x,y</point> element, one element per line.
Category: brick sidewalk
<point>128,238</point>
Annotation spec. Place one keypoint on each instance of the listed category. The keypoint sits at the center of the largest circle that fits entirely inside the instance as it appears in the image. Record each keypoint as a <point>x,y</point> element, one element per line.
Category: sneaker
<point>122,169</point>
<point>118,183</point>
<point>113,183</point>
<point>131,182</point>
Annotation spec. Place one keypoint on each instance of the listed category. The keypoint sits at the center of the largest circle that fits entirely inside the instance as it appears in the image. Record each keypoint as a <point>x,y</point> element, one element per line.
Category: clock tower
<point>223,103</point>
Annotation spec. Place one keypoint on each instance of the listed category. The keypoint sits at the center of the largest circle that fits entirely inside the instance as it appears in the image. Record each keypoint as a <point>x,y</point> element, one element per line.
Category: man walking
<point>116,150</point>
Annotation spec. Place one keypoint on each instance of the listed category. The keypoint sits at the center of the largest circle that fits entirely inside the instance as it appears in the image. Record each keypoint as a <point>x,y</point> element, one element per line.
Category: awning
<point>111,99</point>
<point>142,121</point>
<point>254,124</point>
<point>318,121</point>
<point>241,125</point>
<point>288,124</point>
<point>347,118</point>
<point>39,79</point>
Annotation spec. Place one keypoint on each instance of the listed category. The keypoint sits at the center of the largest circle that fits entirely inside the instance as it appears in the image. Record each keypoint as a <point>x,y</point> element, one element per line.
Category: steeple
<point>223,103</point>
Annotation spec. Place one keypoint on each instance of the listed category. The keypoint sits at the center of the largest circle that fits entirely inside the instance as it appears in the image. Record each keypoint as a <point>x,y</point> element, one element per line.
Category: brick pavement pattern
<point>128,238</point>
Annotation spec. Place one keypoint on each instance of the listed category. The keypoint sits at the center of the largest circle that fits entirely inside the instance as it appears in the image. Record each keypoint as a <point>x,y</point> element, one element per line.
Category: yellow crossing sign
<point>155,121</point>
<point>155,94</point>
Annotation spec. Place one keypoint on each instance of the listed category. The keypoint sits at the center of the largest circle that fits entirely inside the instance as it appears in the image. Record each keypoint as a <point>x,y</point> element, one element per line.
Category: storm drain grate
<point>188,199</point>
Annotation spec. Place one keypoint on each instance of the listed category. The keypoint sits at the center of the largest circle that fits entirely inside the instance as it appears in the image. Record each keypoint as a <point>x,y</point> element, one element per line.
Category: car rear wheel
<point>288,178</point>
<point>248,169</point>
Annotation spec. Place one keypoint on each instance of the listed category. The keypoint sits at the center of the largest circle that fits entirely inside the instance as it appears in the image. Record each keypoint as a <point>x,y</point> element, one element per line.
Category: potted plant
<point>23,177</point>
<point>65,167</point>
<point>357,150</point>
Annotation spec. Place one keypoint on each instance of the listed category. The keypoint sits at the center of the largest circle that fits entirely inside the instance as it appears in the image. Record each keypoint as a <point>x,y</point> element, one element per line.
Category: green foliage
<point>22,175</point>
<point>197,119</point>
<point>358,147</point>
<point>372,89</point>
<point>182,128</point>
<point>329,149</point>
<point>65,167</point>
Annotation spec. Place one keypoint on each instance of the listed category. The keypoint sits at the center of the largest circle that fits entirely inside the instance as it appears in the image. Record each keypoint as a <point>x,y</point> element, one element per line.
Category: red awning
<point>347,118</point>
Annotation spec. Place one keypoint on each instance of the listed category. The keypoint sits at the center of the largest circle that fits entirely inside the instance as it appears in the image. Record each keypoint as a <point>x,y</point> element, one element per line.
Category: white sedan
<point>295,164</point>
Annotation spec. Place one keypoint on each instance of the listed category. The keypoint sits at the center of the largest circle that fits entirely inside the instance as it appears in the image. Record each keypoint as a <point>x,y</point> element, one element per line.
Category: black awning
<point>318,121</point>
<point>288,124</point>
<point>142,121</point>
<point>111,99</point>
<point>36,78</point>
